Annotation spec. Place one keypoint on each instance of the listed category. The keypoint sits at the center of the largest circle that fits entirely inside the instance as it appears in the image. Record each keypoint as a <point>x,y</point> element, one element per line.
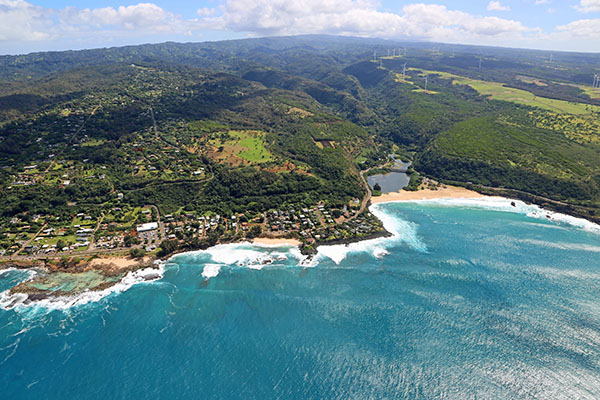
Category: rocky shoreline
<point>59,278</point>
<point>55,278</point>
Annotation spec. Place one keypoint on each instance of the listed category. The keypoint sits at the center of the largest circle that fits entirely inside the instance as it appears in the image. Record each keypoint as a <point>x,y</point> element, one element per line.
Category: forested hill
<point>293,120</point>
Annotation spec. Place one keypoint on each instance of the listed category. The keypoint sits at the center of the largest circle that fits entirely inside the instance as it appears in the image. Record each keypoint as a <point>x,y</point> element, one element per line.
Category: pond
<point>393,181</point>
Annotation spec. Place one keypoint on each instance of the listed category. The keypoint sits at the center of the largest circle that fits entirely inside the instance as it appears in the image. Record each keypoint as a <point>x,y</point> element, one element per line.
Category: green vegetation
<point>499,91</point>
<point>247,145</point>
<point>88,140</point>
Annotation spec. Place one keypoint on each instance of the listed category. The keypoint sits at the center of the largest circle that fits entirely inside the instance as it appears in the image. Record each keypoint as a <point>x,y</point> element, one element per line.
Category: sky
<point>27,26</point>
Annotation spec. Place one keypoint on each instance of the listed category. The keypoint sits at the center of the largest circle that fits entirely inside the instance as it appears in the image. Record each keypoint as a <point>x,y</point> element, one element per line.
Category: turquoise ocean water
<point>469,300</point>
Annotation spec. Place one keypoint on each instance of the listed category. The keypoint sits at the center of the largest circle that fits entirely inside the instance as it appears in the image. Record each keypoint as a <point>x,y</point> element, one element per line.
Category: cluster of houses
<point>193,225</point>
<point>305,220</point>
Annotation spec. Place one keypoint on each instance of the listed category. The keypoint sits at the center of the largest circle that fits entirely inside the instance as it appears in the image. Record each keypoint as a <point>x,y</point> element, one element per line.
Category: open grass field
<point>246,145</point>
<point>498,91</point>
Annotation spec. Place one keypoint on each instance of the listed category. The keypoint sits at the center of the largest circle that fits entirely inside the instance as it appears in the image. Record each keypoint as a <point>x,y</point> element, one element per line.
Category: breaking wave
<point>514,206</point>
<point>21,301</point>
<point>402,232</point>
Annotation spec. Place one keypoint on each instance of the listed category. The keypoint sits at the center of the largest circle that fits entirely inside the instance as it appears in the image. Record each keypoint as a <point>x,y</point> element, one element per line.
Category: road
<point>161,225</point>
<point>30,240</point>
<point>93,239</point>
<point>367,198</point>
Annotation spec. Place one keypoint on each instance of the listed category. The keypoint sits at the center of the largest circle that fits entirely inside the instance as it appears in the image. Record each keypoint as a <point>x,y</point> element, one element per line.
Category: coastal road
<point>367,198</point>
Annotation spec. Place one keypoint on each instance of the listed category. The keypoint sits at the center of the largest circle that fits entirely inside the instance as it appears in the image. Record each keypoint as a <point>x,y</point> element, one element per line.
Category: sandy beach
<point>277,241</point>
<point>446,192</point>
<point>118,263</point>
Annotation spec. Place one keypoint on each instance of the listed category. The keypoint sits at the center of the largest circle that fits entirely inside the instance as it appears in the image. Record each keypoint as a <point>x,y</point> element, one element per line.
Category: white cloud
<point>20,20</point>
<point>23,21</point>
<point>142,17</point>
<point>497,6</point>
<point>538,2</point>
<point>361,18</point>
<point>581,29</point>
<point>587,6</point>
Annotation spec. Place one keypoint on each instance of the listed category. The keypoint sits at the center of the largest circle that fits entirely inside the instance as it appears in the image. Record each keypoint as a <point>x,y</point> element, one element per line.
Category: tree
<point>377,188</point>
<point>254,231</point>
<point>60,244</point>
<point>137,253</point>
<point>129,241</point>
<point>167,247</point>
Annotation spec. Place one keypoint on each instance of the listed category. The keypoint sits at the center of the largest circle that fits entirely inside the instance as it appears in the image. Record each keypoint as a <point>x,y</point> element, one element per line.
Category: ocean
<point>470,299</point>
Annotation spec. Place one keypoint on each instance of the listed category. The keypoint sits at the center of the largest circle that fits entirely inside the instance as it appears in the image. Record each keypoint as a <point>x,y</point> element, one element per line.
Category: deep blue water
<point>468,303</point>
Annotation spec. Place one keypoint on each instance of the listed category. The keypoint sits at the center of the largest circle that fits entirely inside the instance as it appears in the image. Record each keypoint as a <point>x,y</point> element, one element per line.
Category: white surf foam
<point>234,253</point>
<point>20,301</point>
<point>211,270</point>
<point>402,232</point>
<point>506,205</point>
<point>246,254</point>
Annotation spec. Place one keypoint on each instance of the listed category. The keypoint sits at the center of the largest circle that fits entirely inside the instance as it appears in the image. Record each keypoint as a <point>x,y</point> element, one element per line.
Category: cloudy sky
<point>36,25</point>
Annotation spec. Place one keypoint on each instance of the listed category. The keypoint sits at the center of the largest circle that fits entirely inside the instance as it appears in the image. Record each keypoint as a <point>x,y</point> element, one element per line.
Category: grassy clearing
<point>247,145</point>
<point>498,91</point>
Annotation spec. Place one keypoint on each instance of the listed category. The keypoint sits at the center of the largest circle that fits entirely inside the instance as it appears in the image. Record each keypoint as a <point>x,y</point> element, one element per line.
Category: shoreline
<point>120,267</point>
<point>276,242</point>
<point>445,192</point>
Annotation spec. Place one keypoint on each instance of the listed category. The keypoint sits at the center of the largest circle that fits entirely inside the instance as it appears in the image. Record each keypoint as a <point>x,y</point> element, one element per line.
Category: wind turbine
<point>426,76</point>
<point>404,71</point>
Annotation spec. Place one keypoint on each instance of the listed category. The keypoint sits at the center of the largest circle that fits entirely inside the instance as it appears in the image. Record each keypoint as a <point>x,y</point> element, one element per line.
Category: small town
<point>141,230</point>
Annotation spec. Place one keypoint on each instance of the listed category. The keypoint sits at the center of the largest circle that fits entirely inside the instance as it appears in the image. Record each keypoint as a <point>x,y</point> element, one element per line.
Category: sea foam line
<point>402,232</point>
<point>19,301</point>
<point>504,204</point>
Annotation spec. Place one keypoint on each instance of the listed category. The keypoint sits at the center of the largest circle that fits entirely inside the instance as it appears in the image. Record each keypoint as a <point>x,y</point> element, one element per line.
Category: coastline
<point>117,272</point>
<point>445,192</point>
<point>276,242</point>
